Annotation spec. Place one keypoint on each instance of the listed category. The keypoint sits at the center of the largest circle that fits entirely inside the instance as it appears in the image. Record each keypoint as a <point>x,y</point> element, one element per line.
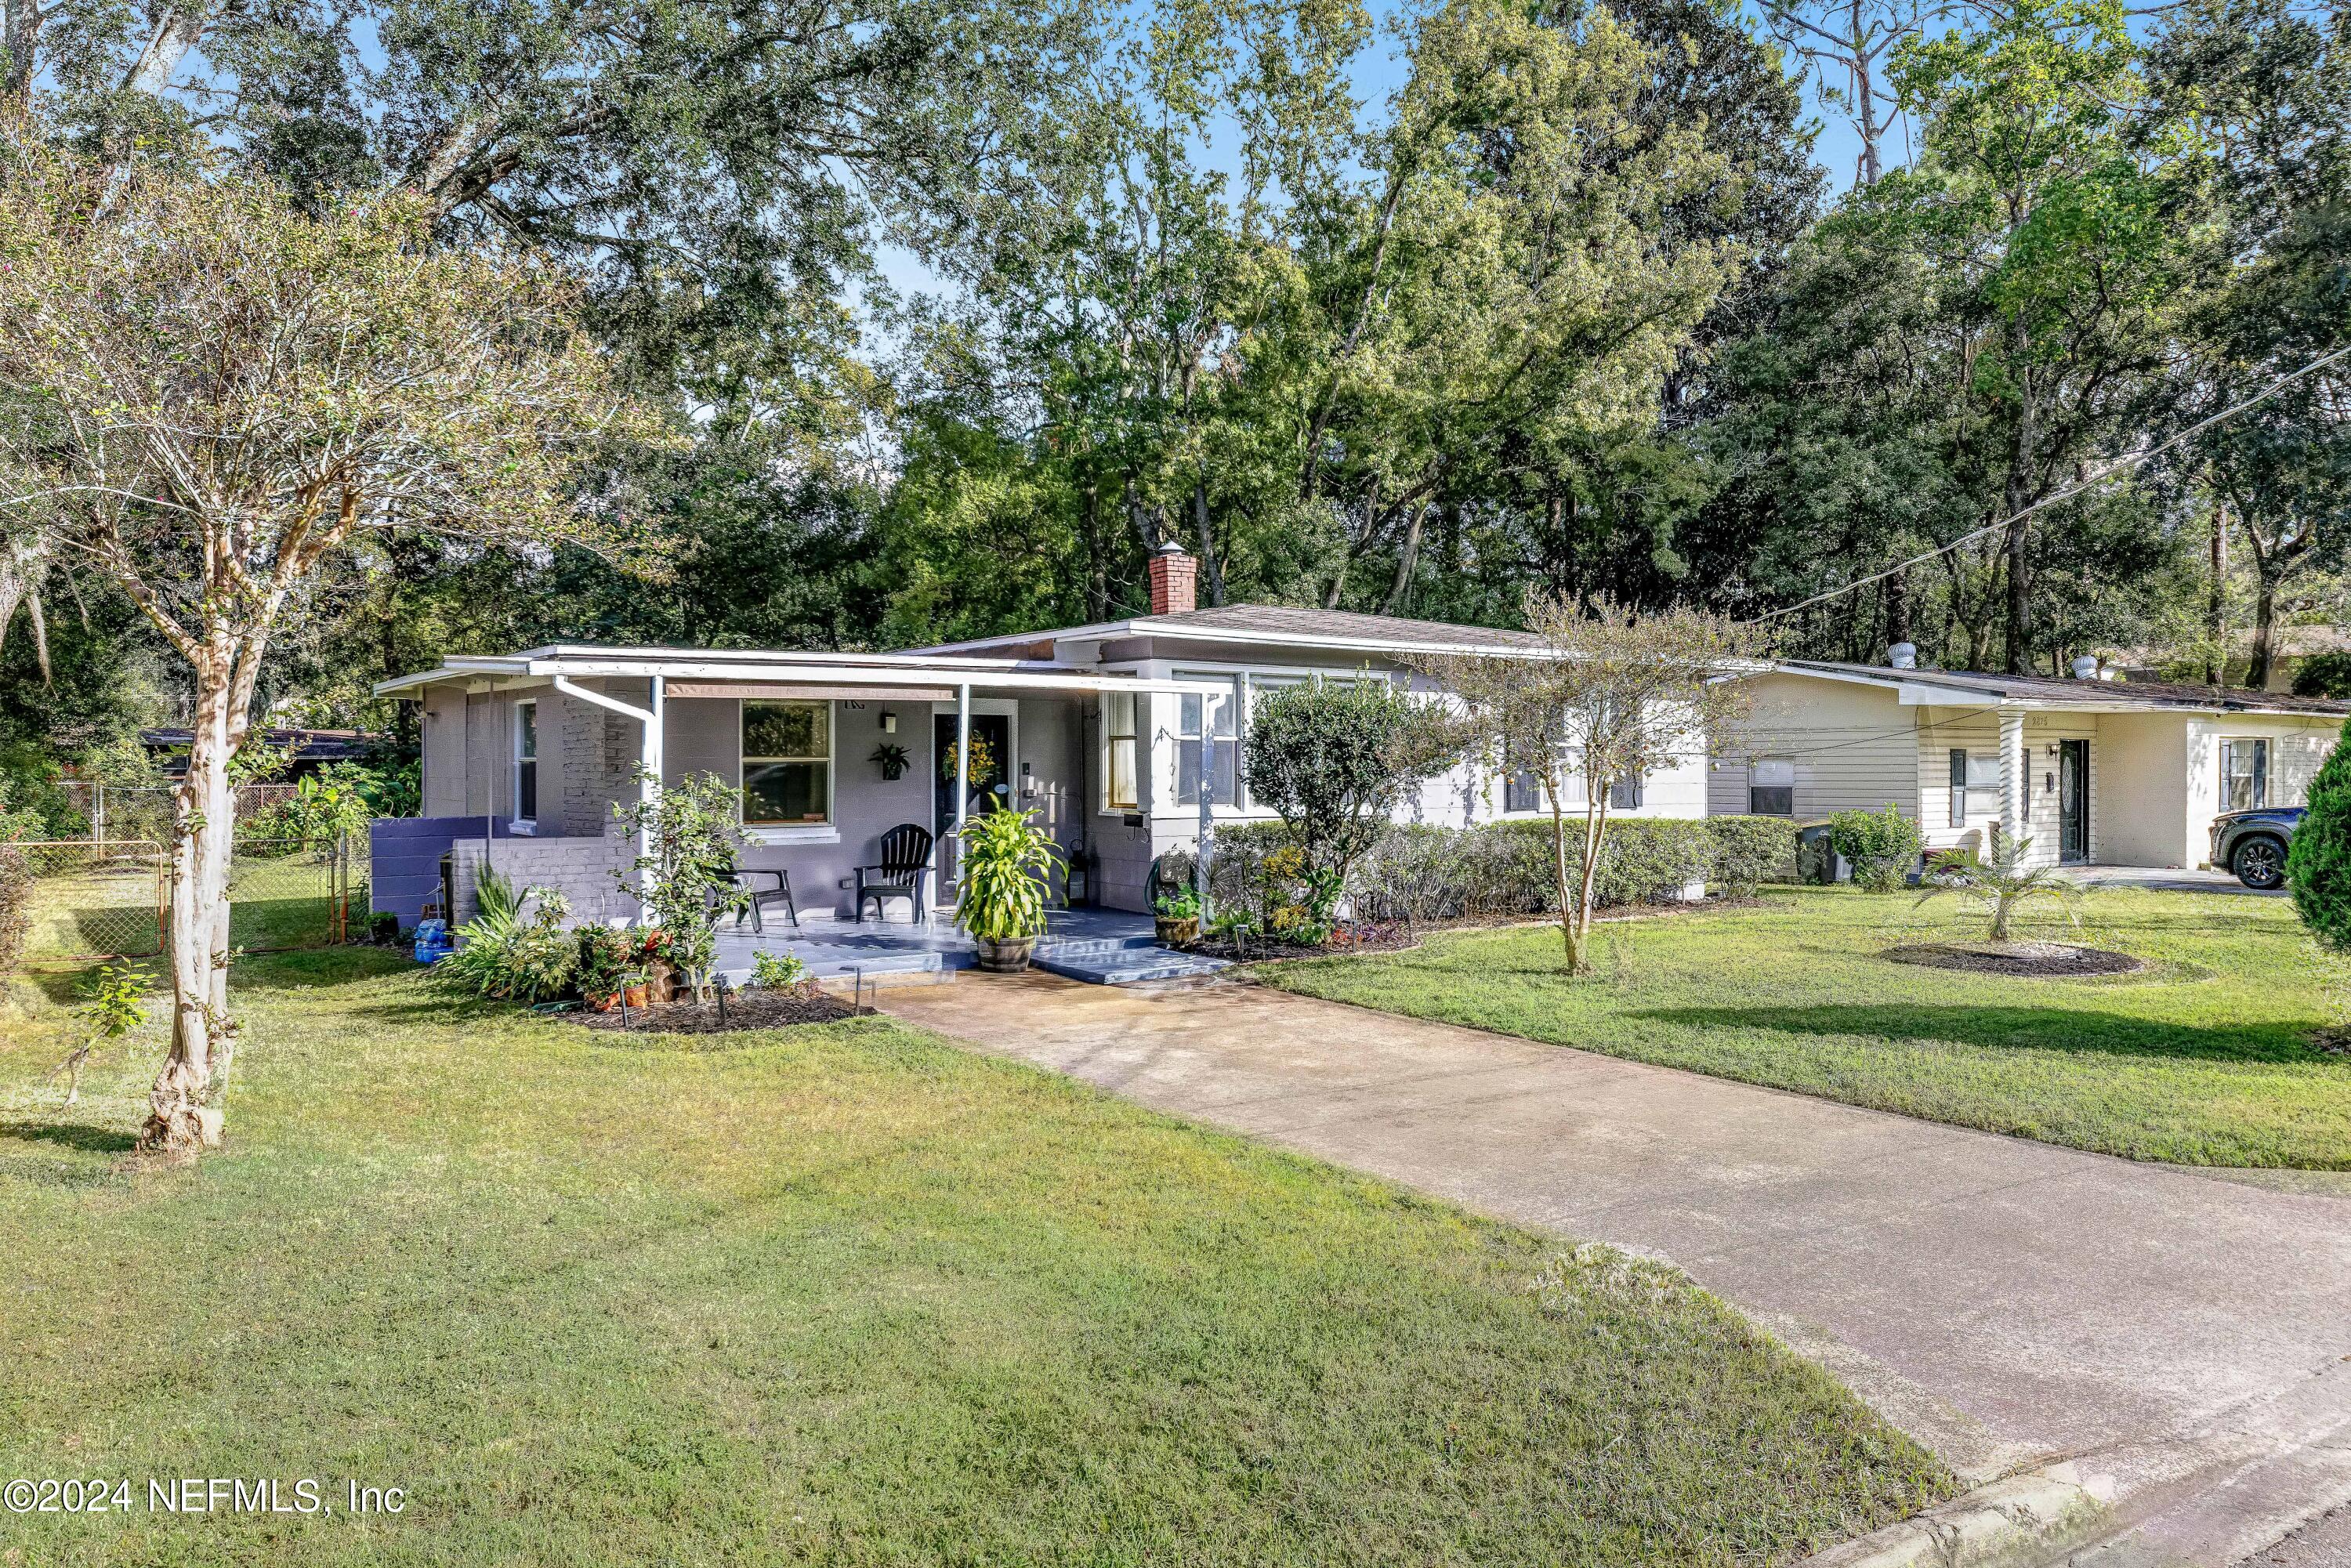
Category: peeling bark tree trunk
<point>183,1113</point>
<point>177,29</point>
<point>20,38</point>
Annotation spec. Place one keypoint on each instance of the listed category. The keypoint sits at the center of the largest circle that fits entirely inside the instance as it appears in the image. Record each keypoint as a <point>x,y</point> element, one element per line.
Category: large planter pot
<point>661,979</point>
<point>1003,954</point>
<point>1176,931</point>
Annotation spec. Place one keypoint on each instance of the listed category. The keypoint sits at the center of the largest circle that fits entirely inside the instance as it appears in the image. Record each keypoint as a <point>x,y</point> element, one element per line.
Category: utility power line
<point>2122,466</point>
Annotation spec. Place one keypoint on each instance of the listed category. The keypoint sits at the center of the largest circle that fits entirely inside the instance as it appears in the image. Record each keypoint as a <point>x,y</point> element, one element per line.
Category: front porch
<point>1101,946</point>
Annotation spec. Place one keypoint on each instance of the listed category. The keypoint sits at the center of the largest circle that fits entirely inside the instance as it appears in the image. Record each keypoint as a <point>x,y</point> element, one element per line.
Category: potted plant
<point>633,988</point>
<point>1176,918</point>
<point>659,966</point>
<point>892,758</point>
<point>1007,859</point>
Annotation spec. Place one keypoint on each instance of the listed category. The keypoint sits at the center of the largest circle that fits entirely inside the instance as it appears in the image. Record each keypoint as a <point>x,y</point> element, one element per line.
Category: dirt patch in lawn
<point>2026,960</point>
<point>744,1010</point>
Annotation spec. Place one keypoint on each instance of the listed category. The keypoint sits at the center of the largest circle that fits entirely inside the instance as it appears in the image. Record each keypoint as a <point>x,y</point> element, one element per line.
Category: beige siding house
<point>2091,770</point>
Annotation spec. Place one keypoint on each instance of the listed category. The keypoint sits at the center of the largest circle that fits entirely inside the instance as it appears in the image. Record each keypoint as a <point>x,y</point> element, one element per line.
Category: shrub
<point>777,971</point>
<point>685,880</point>
<point>1882,845</point>
<point>2318,861</point>
<point>1006,859</point>
<point>500,954</point>
<point>1749,851</point>
<point>2324,676</point>
<point>1334,760</point>
<point>601,964</point>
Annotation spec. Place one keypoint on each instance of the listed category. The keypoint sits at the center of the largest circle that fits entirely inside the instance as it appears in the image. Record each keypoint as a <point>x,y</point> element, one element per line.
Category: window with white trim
<point>526,761</point>
<point>1120,782</point>
<point>1772,787</point>
<point>1975,785</point>
<point>2244,773</point>
<point>1208,738</point>
<point>787,763</point>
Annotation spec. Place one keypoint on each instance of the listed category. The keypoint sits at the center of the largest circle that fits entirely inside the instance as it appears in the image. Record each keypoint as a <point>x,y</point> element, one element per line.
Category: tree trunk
<point>1571,939</point>
<point>1209,562</point>
<point>2018,494</point>
<point>2257,668</point>
<point>177,29</point>
<point>180,1116</point>
<point>1865,93</point>
<point>2216,599</point>
<point>1898,609</point>
<point>1407,558</point>
<point>20,37</point>
<point>1097,556</point>
<point>1595,828</point>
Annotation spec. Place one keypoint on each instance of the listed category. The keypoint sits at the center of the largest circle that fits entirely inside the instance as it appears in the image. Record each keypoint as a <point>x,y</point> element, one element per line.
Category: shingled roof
<point>2056,689</point>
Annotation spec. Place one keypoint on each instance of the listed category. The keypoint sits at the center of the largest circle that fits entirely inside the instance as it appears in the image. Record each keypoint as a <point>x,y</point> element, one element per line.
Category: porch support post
<point>650,755</point>
<point>2012,777</point>
<point>963,774</point>
<point>1207,792</point>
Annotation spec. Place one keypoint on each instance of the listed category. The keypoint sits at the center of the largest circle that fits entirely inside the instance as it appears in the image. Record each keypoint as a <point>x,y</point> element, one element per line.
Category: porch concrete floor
<point>1104,946</point>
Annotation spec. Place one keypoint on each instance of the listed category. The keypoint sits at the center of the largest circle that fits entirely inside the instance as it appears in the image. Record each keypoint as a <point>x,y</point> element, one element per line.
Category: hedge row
<point>1499,869</point>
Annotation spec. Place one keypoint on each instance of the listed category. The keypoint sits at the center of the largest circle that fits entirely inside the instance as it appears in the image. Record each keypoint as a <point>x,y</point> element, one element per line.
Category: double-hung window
<point>787,763</point>
<point>2244,773</point>
<point>1120,778</point>
<point>1208,741</point>
<point>526,765</point>
<point>1975,785</point>
<point>1772,787</point>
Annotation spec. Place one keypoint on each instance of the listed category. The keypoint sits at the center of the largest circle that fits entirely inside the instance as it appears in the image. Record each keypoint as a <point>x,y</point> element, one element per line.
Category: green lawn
<point>844,1295</point>
<point>2204,1059</point>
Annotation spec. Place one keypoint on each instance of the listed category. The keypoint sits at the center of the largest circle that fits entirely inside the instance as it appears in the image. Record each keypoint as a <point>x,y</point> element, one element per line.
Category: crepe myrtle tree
<point>1599,697</point>
<point>207,395</point>
<point>1334,760</point>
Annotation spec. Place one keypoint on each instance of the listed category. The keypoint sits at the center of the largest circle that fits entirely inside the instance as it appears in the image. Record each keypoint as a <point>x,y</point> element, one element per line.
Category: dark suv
<point>2253,843</point>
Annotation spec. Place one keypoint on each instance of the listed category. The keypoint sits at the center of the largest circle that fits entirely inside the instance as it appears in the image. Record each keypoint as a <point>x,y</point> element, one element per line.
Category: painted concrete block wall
<point>582,869</point>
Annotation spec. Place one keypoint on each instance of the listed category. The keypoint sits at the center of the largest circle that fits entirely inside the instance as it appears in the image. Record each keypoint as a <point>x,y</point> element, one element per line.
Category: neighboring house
<point>1108,731</point>
<point>2120,773</point>
<point>308,751</point>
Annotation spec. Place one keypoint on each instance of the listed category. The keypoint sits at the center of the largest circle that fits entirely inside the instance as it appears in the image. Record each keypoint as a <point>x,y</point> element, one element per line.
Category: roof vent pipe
<point>2085,668</point>
<point>1903,655</point>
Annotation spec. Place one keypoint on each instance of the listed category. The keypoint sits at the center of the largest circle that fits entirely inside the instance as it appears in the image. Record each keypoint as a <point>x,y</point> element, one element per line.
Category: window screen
<point>526,762</point>
<point>2244,774</point>
<point>786,762</point>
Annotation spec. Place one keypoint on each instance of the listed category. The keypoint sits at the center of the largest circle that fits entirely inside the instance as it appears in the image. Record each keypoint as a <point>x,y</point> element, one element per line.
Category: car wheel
<point>2260,862</point>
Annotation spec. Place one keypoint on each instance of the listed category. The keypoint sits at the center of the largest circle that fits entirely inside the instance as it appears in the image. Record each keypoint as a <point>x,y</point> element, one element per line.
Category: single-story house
<point>1124,736</point>
<point>2091,769</point>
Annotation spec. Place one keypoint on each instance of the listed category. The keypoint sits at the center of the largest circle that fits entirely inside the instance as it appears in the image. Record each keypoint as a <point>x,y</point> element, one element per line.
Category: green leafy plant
<point>601,964</point>
<point>892,758</point>
<point>501,954</point>
<point>685,877</point>
<point>1183,904</point>
<point>326,806</point>
<point>2318,861</point>
<point>1334,760</point>
<point>2002,884</point>
<point>1006,862</point>
<point>114,1002</point>
<point>1882,845</point>
<point>777,971</point>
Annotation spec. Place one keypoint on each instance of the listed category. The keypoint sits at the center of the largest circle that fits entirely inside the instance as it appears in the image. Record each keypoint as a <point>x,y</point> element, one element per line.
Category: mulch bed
<point>744,1009</point>
<point>2023,960</point>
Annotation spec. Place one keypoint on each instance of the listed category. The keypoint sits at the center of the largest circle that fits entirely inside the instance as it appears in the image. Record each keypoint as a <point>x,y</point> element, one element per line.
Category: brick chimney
<point>1172,575</point>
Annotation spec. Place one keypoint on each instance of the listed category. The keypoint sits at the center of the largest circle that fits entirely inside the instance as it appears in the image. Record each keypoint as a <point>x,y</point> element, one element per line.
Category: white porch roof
<point>856,674</point>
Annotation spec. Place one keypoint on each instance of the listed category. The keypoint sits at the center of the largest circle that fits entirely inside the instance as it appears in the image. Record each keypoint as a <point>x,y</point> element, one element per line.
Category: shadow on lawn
<point>71,1135</point>
<point>2012,1028</point>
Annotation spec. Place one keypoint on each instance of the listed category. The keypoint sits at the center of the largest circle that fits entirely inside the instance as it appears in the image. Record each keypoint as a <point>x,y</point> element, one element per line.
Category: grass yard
<point>2206,1057</point>
<point>839,1294</point>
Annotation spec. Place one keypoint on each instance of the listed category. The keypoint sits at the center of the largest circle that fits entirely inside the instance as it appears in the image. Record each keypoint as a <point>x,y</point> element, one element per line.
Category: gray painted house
<point>1106,731</point>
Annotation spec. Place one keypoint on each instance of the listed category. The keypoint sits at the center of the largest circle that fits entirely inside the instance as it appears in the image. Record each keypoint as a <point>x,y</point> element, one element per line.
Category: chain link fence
<point>104,898</point>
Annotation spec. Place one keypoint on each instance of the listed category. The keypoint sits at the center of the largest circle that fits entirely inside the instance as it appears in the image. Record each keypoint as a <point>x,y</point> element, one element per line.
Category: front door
<point>990,766</point>
<point>2073,801</point>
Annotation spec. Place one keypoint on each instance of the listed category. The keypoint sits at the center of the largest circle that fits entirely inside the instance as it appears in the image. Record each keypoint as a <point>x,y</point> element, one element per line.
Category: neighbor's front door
<point>2074,801</point>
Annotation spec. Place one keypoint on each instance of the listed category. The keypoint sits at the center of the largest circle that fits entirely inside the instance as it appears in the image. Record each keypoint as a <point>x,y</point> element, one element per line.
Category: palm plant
<point>1006,859</point>
<point>2003,884</point>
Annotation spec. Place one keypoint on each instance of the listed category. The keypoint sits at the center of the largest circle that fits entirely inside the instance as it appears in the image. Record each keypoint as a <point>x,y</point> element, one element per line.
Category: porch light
<point>889,722</point>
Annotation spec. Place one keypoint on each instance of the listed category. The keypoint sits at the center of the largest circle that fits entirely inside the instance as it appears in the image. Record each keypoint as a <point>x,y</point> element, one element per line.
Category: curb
<point>2021,1520</point>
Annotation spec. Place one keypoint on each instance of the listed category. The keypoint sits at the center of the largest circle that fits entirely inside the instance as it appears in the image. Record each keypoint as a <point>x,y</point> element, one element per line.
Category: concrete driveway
<point>2184,1336</point>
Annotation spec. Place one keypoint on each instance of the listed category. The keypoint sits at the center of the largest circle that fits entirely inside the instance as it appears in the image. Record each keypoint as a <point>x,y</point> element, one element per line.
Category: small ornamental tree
<point>684,876</point>
<point>1334,760</point>
<point>2318,861</point>
<point>1597,698</point>
<point>206,396</point>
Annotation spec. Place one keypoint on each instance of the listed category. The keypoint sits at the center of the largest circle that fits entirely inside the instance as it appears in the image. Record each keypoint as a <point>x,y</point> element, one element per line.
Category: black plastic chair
<point>780,894</point>
<point>903,871</point>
